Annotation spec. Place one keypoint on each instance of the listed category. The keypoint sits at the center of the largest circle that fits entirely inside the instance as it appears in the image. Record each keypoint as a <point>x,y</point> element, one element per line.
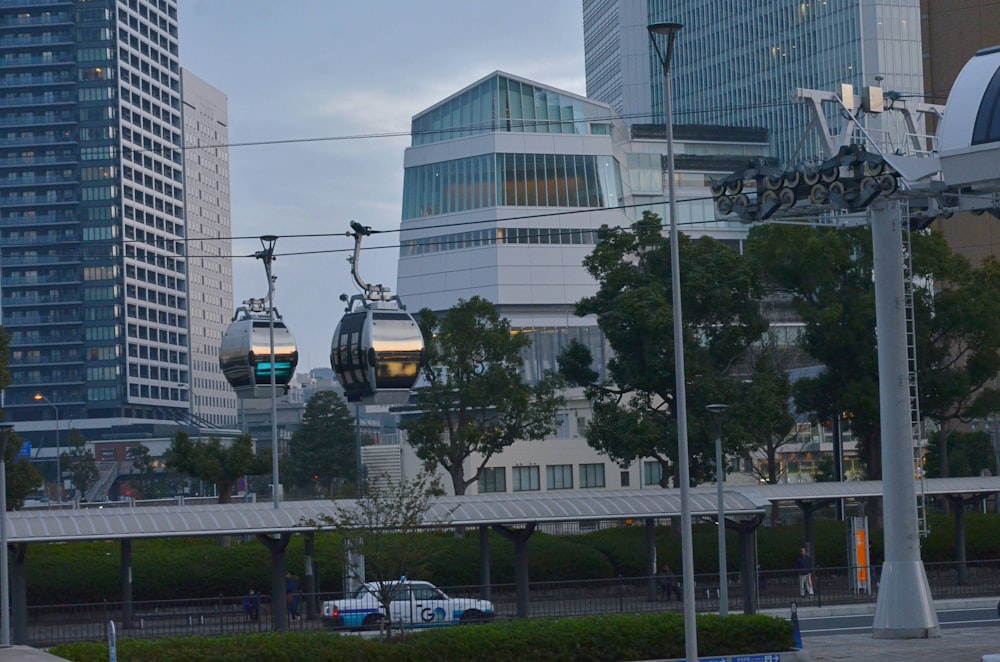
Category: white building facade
<point>506,185</point>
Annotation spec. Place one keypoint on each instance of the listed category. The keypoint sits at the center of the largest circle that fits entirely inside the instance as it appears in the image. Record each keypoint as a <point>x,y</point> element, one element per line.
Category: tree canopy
<point>322,454</point>
<point>828,273</point>
<point>215,462</point>
<point>633,412</point>
<point>22,477</point>
<point>474,400</point>
<point>80,463</point>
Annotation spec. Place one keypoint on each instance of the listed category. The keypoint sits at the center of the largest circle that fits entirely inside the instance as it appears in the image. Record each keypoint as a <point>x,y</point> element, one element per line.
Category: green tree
<point>829,275</point>
<point>22,477</point>
<point>475,401</point>
<point>762,415</point>
<point>142,461</point>
<point>959,348</point>
<point>80,463</point>
<point>215,462</point>
<point>633,412</point>
<point>970,453</point>
<point>322,454</point>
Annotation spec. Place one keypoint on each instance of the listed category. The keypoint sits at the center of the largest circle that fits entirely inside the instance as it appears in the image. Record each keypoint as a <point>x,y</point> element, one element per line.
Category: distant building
<point>99,204</point>
<point>737,64</point>
<point>506,184</point>
<point>209,247</point>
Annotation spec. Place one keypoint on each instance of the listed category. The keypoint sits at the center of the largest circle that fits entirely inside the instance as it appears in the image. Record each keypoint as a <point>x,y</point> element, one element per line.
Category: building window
<point>525,479</point>
<point>626,479</point>
<point>592,475</point>
<point>492,479</point>
<point>559,476</point>
<point>652,472</point>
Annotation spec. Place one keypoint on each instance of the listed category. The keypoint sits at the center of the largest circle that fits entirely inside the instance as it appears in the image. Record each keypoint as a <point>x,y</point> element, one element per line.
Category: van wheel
<point>372,622</point>
<point>472,616</point>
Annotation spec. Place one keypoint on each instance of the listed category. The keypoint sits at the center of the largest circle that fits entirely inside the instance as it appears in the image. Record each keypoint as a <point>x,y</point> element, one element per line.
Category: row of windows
<point>144,371</point>
<point>493,236</point>
<point>157,393</point>
<point>154,277</point>
<point>155,220</point>
<point>137,351</point>
<point>511,180</point>
<point>153,296</point>
<point>143,332</point>
<point>527,478</point>
<point>149,257</point>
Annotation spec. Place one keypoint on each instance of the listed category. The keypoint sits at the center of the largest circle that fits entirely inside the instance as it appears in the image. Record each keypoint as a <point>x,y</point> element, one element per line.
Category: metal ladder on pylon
<point>916,422</point>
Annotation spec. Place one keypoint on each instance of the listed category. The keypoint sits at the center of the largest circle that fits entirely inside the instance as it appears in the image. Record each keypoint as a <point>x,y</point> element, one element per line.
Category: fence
<point>49,625</point>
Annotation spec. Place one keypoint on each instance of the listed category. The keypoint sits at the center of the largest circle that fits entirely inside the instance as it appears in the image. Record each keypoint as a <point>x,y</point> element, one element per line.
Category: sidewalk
<point>954,645</point>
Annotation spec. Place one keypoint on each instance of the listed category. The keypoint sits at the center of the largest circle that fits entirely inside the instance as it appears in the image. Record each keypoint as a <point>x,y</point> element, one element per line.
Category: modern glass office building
<point>484,165</point>
<point>739,63</point>
<point>93,264</point>
<point>506,184</point>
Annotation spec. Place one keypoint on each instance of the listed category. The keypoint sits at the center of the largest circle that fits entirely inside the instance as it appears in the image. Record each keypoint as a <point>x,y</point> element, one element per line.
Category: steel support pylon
<point>905,608</point>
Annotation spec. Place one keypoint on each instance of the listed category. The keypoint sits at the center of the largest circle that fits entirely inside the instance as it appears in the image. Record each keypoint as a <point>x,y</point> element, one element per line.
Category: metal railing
<point>53,624</point>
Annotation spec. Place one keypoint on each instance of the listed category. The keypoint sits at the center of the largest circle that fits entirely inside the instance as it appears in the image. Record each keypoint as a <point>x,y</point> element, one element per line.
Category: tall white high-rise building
<point>95,218</point>
<point>209,247</point>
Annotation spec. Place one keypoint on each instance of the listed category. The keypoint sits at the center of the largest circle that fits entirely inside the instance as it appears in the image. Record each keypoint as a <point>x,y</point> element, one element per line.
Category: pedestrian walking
<point>804,566</point>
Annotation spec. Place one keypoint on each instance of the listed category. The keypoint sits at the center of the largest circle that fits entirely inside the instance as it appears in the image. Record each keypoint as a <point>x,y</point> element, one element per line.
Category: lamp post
<point>267,255</point>
<point>670,30</point>
<point>5,431</point>
<point>718,411</point>
<point>41,398</point>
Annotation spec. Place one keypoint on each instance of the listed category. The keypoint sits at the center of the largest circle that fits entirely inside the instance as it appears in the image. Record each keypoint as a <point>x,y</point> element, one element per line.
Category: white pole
<point>269,241</point>
<point>720,475</point>
<point>680,395</point>
<point>4,573</point>
<point>905,608</point>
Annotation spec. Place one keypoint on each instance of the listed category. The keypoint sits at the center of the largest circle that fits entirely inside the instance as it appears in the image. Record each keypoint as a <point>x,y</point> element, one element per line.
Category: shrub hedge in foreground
<point>590,639</point>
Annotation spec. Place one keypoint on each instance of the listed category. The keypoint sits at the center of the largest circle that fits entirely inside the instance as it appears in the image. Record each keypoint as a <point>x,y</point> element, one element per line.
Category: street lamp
<point>41,398</point>
<point>670,30</point>
<point>267,255</point>
<point>5,431</point>
<point>718,412</point>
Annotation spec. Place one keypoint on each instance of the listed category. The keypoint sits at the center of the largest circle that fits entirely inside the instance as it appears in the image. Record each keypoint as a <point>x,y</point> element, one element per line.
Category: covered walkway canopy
<point>512,515</point>
<point>123,521</point>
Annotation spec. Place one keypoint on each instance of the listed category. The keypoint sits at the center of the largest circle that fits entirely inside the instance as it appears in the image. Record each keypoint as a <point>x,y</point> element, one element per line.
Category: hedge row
<point>595,638</point>
<point>190,568</point>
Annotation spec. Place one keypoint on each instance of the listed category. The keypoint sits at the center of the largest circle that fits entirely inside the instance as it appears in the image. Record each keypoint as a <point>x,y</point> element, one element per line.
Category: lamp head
<point>664,28</point>
<point>669,30</point>
<point>717,409</point>
<point>39,397</point>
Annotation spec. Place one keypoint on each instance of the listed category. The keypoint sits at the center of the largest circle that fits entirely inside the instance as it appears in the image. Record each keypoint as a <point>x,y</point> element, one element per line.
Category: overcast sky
<point>315,69</point>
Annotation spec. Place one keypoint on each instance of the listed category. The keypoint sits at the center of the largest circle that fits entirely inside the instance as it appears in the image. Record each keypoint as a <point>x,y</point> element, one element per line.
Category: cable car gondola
<point>245,354</point>
<point>377,347</point>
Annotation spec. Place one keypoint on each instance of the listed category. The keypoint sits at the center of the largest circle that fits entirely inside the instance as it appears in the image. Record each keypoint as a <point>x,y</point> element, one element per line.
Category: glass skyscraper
<point>94,219</point>
<point>739,63</point>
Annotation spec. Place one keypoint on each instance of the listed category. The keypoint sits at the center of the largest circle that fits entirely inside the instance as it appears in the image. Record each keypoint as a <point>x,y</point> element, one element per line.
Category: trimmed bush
<point>593,639</point>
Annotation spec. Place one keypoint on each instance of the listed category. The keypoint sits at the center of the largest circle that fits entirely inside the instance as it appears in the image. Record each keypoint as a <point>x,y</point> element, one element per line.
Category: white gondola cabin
<point>376,354</point>
<point>377,348</point>
<point>245,355</point>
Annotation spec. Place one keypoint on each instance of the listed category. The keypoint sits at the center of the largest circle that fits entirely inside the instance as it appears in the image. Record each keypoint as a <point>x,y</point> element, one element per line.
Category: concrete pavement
<point>963,644</point>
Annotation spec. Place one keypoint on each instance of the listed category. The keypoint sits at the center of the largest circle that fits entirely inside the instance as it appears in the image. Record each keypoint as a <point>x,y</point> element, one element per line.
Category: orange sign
<point>861,551</point>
